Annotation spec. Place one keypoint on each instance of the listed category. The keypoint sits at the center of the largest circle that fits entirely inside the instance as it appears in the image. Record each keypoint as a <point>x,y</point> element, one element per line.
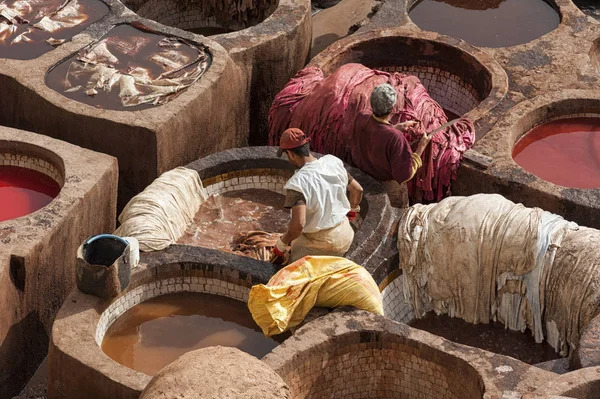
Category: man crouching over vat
<point>316,195</point>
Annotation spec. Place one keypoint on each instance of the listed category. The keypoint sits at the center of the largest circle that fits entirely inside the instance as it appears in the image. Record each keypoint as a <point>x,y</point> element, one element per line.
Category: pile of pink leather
<point>325,108</point>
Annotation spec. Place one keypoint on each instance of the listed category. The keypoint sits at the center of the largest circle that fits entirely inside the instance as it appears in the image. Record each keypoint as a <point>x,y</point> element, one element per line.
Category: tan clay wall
<point>35,282</point>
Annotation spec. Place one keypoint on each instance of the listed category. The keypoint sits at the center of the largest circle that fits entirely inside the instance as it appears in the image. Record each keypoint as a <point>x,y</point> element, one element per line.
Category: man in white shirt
<point>316,195</point>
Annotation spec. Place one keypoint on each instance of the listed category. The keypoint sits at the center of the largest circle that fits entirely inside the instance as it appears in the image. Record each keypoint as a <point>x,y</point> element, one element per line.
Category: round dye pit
<point>564,152</point>
<point>460,78</point>
<point>495,23</point>
<point>35,27</point>
<point>123,70</point>
<point>204,17</point>
<point>23,191</point>
<point>360,355</point>
<point>223,216</point>
<point>492,337</point>
<point>589,7</point>
<point>154,333</point>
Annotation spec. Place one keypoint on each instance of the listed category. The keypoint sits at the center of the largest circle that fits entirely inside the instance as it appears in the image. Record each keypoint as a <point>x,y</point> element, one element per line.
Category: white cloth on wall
<point>485,258</point>
<point>158,216</point>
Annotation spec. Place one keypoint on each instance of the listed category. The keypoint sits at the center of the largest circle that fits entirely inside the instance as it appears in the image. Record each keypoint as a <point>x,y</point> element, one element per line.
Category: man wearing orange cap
<point>316,195</point>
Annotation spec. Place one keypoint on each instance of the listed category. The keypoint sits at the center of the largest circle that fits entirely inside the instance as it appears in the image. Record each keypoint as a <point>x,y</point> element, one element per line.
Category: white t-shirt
<point>323,183</point>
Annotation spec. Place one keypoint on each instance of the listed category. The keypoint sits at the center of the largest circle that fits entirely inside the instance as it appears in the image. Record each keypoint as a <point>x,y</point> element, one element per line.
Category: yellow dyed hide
<point>321,281</point>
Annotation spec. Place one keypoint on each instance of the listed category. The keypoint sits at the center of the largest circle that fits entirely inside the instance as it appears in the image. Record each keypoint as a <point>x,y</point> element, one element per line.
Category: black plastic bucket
<point>103,265</point>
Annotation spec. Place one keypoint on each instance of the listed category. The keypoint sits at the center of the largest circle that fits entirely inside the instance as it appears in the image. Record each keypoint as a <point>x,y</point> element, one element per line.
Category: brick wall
<point>395,307</point>
<point>450,91</point>
<point>374,365</point>
<point>30,162</point>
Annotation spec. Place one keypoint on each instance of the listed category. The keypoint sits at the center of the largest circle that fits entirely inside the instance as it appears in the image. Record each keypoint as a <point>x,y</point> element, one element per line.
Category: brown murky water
<point>21,40</point>
<point>492,337</point>
<point>154,333</point>
<point>210,30</point>
<point>222,217</point>
<point>490,23</point>
<point>129,51</point>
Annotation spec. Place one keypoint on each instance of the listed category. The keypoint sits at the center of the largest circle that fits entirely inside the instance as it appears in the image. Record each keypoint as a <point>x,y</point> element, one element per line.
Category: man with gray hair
<point>381,150</point>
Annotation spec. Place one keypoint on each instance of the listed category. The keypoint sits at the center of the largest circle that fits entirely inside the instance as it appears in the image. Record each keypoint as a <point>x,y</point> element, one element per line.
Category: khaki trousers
<point>331,242</point>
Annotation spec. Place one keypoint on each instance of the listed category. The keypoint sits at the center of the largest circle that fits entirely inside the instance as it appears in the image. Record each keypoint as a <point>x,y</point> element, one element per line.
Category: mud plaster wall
<point>37,251</point>
<point>189,14</point>
<point>271,53</point>
<point>372,365</point>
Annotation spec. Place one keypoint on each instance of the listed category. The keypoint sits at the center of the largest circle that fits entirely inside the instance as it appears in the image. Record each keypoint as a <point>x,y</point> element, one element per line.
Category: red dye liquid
<point>23,191</point>
<point>565,152</point>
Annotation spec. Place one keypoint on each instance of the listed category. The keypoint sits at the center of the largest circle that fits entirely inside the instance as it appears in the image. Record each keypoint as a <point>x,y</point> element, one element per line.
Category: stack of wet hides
<point>255,244</point>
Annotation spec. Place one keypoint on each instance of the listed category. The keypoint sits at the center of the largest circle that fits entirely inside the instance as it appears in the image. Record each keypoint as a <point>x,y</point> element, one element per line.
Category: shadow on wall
<point>19,358</point>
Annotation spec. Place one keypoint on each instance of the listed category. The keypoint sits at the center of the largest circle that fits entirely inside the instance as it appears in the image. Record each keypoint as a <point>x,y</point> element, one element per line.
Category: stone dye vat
<point>233,201</point>
<point>261,172</point>
<point>59,194</point>
<point>492,337</point>
<point>130,67</point>
<point>216,366</point>
<point>350,353</point>
<point>179,280</point>
<point>463,80</point>
<point>156,332</point>
<point>565,152</point>
<point>23,190</point>
<point>542,280</point>
<point>29,29</point>
<point>495,23</point>
<point>571,194</point>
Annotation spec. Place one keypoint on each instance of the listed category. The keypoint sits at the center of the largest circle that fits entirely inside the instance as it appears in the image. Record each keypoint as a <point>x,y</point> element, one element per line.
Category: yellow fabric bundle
<point>321,281</point>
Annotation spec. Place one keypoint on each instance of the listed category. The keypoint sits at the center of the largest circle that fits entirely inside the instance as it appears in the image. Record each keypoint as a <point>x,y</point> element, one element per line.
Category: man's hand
<point>279,252</point>
<point>423,144</point>
<point>353,213</point>
<point>403,126</point>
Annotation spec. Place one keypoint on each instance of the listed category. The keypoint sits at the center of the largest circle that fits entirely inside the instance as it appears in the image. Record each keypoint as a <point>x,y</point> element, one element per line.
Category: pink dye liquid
<point>23,191</point>
<point>565,152</point>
